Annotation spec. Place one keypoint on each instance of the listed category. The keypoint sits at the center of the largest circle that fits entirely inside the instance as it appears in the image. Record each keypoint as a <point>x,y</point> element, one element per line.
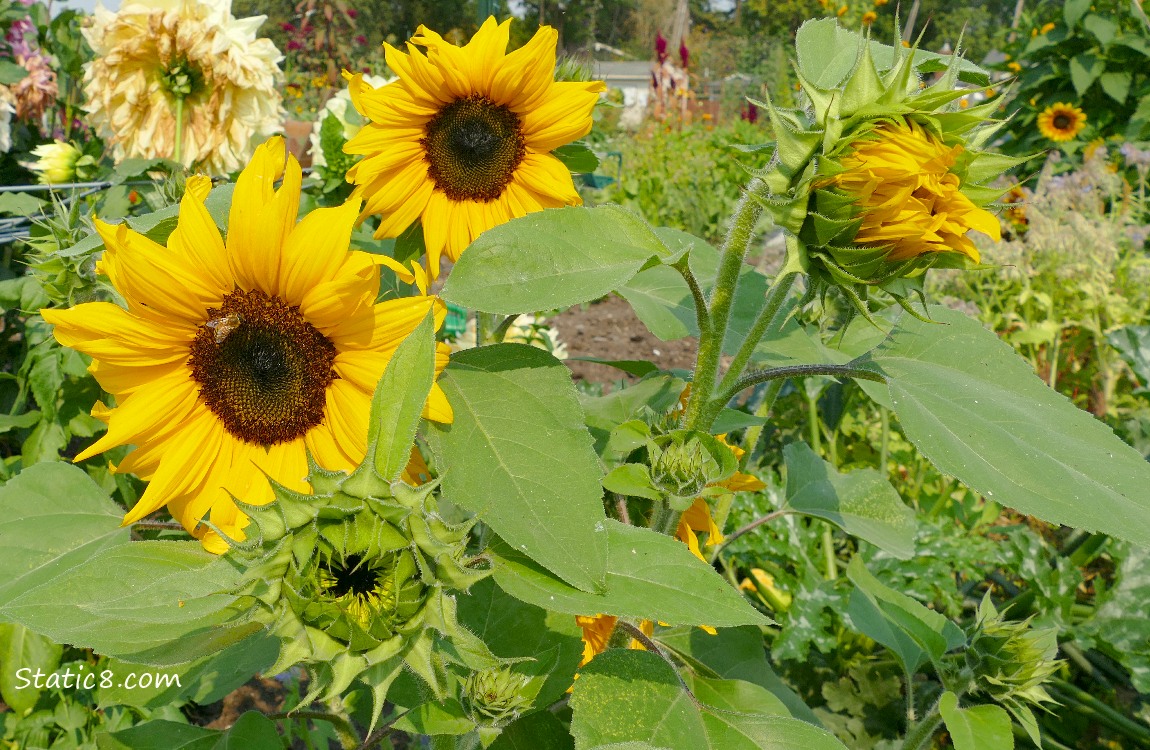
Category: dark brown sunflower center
<point>472,147</point>
<point>262,369</point>
<point>1063,121</point>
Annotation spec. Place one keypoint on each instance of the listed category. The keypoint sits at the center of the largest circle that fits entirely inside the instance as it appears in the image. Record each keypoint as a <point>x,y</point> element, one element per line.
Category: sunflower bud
<point>355,582</point>
<point>685,462</point>
<point>497,696</point>
<point>1010,661</point>
<point>881,177</point>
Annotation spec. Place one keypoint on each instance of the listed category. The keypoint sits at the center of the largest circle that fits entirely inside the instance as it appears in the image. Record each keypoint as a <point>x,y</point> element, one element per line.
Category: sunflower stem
<point>722,296</point>
<point>179,147</point>
<point>502,329</point>
<point>755,377</point>
<point>776,295</point>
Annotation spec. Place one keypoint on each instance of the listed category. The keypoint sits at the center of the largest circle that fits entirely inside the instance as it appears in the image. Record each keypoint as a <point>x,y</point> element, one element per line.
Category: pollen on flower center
<point>262,369</point>
<point>364,588</point>
<point>472,148</point>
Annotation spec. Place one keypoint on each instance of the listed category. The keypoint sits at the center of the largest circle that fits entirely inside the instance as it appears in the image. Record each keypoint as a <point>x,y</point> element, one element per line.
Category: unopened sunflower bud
<point>678,470</point>
<point>1010,660</point>
<point>881,178</point>
<point>497,696</point>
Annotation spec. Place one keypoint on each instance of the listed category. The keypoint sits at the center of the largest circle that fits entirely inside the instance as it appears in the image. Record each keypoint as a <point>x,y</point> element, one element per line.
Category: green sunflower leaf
<point>399,398</point>
<point>157,603</point>
<point>976,728</point>
<point>649,576</point>
<point>519,457</point>
<point>554,258</point>
<point>52,518</point>
<point>979,413</point>
<point>625,697</point>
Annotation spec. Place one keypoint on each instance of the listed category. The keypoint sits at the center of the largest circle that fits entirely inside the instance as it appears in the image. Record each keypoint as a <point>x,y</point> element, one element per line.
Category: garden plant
<point>900,500</point>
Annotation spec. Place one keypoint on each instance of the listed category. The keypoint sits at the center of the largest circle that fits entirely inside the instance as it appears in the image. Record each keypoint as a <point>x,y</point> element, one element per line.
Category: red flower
<point>352,13</point>
<point>287,26</point>
<point>360,39</point>
<point>294,45</point>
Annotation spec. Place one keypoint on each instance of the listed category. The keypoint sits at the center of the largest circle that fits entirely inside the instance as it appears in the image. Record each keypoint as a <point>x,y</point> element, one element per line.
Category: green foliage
<point>1093,55</point>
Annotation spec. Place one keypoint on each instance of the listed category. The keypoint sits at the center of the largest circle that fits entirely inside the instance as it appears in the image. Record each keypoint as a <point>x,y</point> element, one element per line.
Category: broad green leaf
<point>1073,10</point>
<point>663,301</point>
<point>1120,627</point>
<point>984,727</point>
<point>553,258</point>
<point>20,650</point>
<point>650,576</point>
<point>252,731</point>
<point>20,204</point>
<point>1116,85</point>
<point>979,413</point>
<point>1133,343</point>
<point>656,394</point>
<point>538,731</point>
<point>827,53</point>
<point>158,603</point>
<point>640,368</point>
<point>1104,29</point>
<point>11,73</point>
<point>1084,71</point>
<point>203,681</point>
<point>160,735</point>
<point>733,654</point>
<point>633,480</point>
<point>52,517</point>
<point>436,717</point>
<point>521,459</point>
<point>913,632</point>
<point>577,157</point>
<point>626,696</point>
<point>862,502</point>
<point>399,398</point>
<point>512,628</point>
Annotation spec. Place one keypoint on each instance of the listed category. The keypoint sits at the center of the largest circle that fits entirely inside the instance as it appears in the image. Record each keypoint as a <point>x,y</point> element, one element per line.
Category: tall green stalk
<point>722,297</point>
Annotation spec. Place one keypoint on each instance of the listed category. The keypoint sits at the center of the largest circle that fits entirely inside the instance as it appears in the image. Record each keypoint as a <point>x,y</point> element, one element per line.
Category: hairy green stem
<point>702,317</point>
<point>776,296</point>
<point>348,739</point>
<point>919,735</point>
<point>722,296</point>
<point>754,377</point>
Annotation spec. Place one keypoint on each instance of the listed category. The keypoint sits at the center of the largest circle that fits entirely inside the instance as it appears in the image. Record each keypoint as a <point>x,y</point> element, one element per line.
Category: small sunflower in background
<point>869,17</point>
<point>463,139</point>
<point>236,359</point>
<point>1061,122</point>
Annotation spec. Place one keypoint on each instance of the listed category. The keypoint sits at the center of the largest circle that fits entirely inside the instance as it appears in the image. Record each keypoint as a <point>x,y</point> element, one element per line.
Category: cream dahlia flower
<point>153,52</point>
<point>7,109</point>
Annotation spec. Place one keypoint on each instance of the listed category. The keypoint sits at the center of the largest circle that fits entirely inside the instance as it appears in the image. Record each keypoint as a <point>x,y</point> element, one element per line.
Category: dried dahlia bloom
<point>36,92</point>
<point>153,52</point>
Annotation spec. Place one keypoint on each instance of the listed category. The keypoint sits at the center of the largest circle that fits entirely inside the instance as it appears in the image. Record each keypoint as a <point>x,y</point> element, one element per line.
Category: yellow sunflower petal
<point>262,217</point>
<point>316,249</point>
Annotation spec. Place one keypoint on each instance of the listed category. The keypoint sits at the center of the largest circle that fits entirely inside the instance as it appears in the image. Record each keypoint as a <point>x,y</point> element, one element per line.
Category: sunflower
<point>1061,122</point>
<point>463,139</point>
<point>235,360</point>
<point>908,199</point>
<point>153,53</point>
<point>869,17</point>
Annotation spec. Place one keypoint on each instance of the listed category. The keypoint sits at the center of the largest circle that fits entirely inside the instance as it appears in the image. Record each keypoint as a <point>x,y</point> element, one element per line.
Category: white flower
<point>152,53</point>
<point>351,120</point>
<point>60,162</point>
<point>7,109</point>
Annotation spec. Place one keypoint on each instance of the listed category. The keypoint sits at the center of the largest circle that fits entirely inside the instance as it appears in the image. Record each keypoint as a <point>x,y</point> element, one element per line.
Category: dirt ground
<point>609,329</point>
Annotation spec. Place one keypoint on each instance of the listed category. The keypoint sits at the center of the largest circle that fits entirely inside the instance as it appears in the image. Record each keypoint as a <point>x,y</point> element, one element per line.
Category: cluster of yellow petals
<point>908,199</point>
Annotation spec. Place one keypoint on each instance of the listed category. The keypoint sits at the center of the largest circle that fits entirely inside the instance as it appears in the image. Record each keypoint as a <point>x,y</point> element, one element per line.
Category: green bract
<point>847,106</point>
<point>356,585</point>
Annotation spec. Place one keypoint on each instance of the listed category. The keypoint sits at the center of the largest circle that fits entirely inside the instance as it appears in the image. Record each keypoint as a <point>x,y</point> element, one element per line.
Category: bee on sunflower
<point>462,140</point>
<point>235,359</point>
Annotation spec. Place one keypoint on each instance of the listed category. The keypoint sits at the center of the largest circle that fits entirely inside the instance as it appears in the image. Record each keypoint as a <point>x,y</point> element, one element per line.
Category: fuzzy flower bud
<point>497,696</point>
<point>1010,660</point>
